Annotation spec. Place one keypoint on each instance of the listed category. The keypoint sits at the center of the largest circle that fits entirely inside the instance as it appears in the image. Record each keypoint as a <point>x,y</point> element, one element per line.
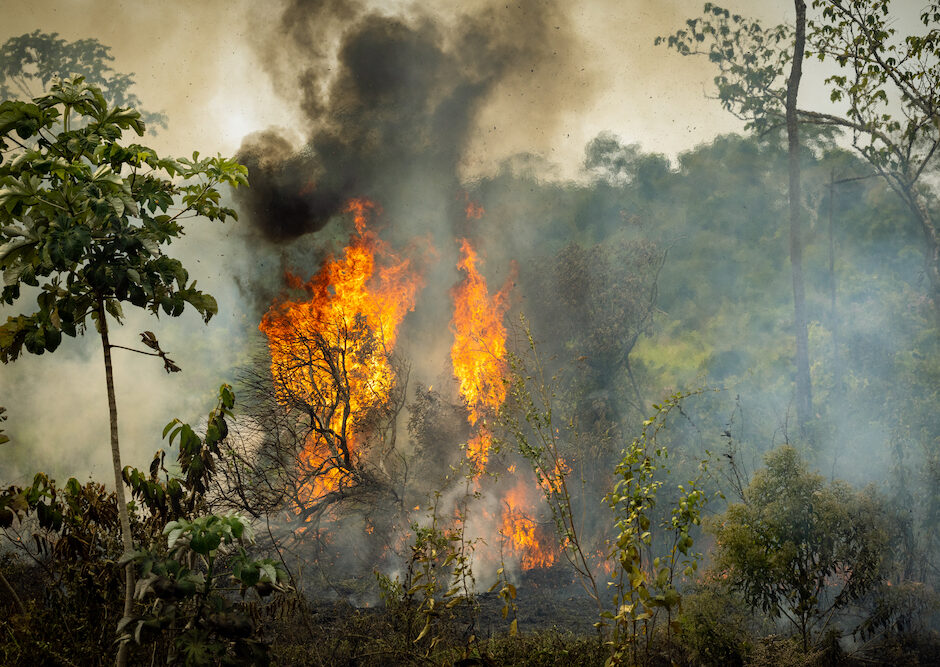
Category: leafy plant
<point>88,216</point>
<point>438,583</point>
<point>61,543</point>
<point>539,441</point>
<point>176,497</point>
<point>507,593</point>
<point>718,627</point>
<point>426,577</point>
<point>187,598</point>
<point>800,548</point>
<point>646,582</point>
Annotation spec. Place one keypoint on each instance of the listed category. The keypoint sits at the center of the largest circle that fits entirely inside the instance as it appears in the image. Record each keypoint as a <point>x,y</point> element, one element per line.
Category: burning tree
<point>337,393</point>
<point>322,427</point>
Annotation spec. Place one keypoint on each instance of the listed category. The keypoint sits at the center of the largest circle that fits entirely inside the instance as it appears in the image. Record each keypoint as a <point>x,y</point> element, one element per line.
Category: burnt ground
<point>555,620</point>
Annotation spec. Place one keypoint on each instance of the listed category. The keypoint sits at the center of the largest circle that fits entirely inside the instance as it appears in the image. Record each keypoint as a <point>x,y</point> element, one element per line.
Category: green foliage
<point>30,63</point>
<point>185,597</point>
<point>889,83</point>
<point>89,215</point>
<point>880,69</point>
<point>776,651</point>
<point>187,604</point>
<point>646,583</point>
<point>176,497</point>
<point>60,546</point>
<point>76,522</point>
<point>800,548</point>
<point>751,60</point>
<point>188,608</point>
<point>718,628</point>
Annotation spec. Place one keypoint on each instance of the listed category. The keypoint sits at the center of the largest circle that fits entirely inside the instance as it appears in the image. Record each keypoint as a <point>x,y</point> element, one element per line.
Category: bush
<point>718,627</point>
<point>800,548</point>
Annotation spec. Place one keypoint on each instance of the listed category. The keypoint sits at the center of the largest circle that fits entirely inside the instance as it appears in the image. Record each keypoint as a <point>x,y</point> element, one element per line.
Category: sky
<point>223,70</point>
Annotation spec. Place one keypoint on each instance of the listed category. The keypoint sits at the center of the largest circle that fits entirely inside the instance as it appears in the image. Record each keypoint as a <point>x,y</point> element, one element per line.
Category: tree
<point>319,440</point>
<point>612,287</point>
<point>653,555</point>
<point>752,63</point>
<point>88,215</point>
<point>800,548</point>
<point>30,63</point>
<point>804,387</point>
<point>889,83</point>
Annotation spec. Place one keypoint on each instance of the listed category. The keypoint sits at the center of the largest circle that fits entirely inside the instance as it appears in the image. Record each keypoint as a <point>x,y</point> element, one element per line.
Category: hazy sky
<point>218,71</point>
<point>199,62</point>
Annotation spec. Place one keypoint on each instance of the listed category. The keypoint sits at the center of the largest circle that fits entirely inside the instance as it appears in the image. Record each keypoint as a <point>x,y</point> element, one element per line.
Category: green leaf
<point>249,575</point>
<point>269,572</point>
<point>122,118</point>
<point>113,306</point>
<point>14,274</point>
<point>105,174</point>
<point>173,536</point>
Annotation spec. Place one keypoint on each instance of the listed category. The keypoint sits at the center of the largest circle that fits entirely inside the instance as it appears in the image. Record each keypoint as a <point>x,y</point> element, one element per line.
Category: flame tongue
<point>479,350</point>
<point>533,543</point>
<point>479,359</point>
<point>353,309</point>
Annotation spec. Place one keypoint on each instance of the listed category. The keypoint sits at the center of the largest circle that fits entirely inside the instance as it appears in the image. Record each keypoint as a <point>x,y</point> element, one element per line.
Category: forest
<point>672,411</point>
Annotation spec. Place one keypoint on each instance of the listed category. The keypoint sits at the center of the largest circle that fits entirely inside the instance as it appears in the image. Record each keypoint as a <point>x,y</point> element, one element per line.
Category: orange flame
<point>474,211</point>
<point>533,544</point>
<point>479,350</point>
<point>354,306</point>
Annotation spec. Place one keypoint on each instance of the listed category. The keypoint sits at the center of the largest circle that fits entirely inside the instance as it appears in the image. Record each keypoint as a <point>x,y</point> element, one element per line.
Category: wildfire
<point>479,359</point>
<point>329,358</point>
<point>474,211</point>
<point>331,348</point>
<point>533,544</point>
<point>479,351</point>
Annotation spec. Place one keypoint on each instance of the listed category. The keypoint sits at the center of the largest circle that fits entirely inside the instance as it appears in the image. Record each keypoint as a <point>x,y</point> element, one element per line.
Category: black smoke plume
<point>389,102</point>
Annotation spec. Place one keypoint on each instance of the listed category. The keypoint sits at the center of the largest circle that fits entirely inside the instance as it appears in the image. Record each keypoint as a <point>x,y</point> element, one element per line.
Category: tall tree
<point>88,215</point>
<point>888,84</point>
<point>804,389</point>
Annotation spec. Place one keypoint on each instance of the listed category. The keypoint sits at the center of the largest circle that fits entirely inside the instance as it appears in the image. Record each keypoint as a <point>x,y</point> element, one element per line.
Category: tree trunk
<point>126,536</point>
<point>804,391</point>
